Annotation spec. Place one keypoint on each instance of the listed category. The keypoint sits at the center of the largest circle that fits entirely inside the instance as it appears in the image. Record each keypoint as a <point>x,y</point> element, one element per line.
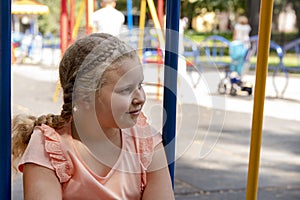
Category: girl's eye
<point>126,90</point>
<point>129,90</point>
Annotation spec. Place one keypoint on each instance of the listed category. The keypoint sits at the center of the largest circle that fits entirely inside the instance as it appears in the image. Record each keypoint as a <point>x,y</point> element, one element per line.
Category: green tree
<point>191,8</point>
<point>50,21</point>
<point>253,9</point>
<point>252,12</point>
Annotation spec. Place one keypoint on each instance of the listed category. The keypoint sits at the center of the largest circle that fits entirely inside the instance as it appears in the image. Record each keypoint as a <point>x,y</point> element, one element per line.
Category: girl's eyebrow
<point>125,85</point>
<point>129,84</point>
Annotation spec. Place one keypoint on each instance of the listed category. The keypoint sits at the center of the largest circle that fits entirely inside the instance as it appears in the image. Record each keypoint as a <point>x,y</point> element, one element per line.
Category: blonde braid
<point>22,127</point>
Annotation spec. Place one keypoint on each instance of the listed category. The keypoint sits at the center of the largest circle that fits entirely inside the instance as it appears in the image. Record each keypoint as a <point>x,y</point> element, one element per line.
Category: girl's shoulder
<point>48,148</point>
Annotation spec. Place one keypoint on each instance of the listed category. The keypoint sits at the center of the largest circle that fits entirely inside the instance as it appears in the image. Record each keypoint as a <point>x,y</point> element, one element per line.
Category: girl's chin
<point>127,124</point>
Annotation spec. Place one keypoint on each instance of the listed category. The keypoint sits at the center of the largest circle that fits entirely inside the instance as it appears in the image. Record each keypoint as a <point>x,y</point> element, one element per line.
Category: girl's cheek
<point>121,102</point>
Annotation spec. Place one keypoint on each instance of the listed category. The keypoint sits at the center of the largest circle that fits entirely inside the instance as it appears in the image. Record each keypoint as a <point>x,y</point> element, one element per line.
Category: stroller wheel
<point>249,90</point>
<point>222,88</point>
<point>233,91</point>
<point>247,87</point>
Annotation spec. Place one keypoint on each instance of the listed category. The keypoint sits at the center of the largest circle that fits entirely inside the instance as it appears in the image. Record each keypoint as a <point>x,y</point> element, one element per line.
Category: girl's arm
<point>159,184</point>
<point>40,183</point>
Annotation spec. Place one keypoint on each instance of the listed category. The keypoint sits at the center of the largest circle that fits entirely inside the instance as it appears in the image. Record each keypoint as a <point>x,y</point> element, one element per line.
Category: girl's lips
<point>134,112</point>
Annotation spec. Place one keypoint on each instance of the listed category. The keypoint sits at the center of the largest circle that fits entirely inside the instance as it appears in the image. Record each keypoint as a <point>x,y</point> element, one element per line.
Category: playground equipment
<point>171,59</point>
<point>88,7</point>
<point>27,46</point>
<point>265,21</point>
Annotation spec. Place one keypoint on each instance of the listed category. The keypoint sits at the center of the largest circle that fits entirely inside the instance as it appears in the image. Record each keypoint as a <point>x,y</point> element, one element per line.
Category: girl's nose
<point>139,97</point>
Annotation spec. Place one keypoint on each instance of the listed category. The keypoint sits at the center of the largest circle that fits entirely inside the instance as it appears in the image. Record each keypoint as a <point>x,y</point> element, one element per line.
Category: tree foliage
<point>50,21</point>
<point>189,8</point>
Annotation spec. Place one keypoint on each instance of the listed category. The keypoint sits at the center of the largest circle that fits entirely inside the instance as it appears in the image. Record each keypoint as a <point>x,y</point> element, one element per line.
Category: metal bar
<point>160,12</point>
<point>5,94</point>
<point>78,20</point>
<point>156,22</point>
<point>72,19</point>
<point>87,28</point>
<point>154,14</point>
<point>129,15</point>
<point>266,9</point>
<point>141,27</point>
<point>89,9</point>
<point>170,82</point>
<point>63,27</point>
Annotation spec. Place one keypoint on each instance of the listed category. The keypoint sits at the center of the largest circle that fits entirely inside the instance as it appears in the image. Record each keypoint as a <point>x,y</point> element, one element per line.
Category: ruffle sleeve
<point>45,148</point>
<point>149,138</point>
<point>59,159</point>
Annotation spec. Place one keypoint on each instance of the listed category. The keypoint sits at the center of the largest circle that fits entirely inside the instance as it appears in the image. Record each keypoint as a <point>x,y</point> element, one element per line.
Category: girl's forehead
<point>129,69</point>
<point>128,65</point>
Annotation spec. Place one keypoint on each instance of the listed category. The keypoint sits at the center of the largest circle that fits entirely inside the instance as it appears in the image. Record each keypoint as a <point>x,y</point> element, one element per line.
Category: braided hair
<point>84,63</point>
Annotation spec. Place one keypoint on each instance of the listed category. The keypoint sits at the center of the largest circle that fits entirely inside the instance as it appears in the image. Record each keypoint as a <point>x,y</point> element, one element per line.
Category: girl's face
<point>121,97</point>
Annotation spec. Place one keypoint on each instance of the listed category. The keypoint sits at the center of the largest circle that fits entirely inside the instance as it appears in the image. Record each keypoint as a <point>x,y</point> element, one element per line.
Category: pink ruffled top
<point>55,150</point>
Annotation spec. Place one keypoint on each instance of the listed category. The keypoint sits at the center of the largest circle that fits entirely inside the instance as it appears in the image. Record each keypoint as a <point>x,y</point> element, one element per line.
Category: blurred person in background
<point>108,19</point>
<point>242,30</point>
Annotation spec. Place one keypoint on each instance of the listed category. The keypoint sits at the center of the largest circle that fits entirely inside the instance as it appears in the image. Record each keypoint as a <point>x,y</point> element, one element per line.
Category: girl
<point>100,146</point>
<point>241,31</point>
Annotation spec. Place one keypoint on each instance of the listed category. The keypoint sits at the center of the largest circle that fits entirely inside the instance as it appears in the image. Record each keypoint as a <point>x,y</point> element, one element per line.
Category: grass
<point>289,60</point>
<point>198,37</point>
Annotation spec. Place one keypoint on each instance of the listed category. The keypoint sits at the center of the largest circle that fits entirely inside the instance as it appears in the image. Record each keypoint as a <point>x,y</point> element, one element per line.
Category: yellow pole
<point>56,93</point>
<point>264,33</point>
<point>141,27</point>
<point>153,14</point>
<point>156,23</point>
<point>78,19</point>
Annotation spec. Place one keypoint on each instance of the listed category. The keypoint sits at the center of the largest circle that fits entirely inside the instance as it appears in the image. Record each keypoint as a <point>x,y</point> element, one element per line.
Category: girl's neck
<point>112,135</point>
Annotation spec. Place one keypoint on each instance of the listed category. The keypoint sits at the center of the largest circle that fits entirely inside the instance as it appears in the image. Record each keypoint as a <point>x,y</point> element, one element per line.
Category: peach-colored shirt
<point>55,149</point>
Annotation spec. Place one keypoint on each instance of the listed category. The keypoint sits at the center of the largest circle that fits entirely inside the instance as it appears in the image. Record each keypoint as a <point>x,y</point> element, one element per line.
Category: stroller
<point>232,82</point>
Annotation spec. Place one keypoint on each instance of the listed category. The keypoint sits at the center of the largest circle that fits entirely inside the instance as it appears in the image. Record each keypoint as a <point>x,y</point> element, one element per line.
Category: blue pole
<point>170,81</point>
<point>129,15</point>
<point>5,110</point>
